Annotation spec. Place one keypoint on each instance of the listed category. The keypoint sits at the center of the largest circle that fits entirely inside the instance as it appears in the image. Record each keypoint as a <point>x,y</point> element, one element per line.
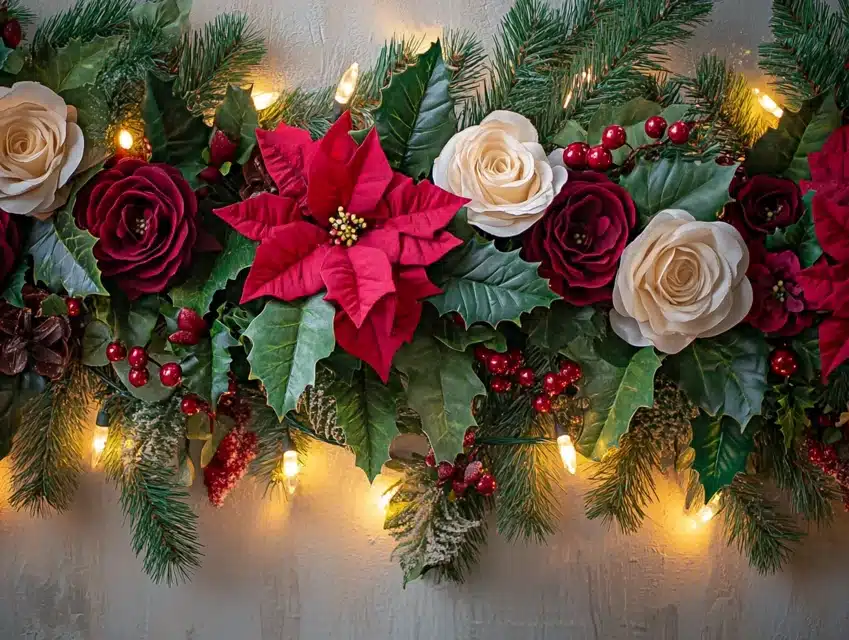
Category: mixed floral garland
<point>250,284</point>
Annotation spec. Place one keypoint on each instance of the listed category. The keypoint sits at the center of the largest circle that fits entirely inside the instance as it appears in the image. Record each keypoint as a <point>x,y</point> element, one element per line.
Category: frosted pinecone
<point>667,423</point>
<point>155,431</point>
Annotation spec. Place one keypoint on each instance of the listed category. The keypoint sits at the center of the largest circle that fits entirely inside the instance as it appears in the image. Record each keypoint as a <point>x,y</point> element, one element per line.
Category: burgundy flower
<point>10,245</point>
<point>768,203</point>
<point>145,216</point>
<point>581,237</point>
<point>779,304</point>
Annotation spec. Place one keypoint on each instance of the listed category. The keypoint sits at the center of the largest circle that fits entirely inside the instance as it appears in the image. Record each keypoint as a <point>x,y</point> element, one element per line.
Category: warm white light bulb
<point>568,453</point>
<point>125,139</point>
<point>347,84</point>
<point>708,511</point>
<point>768,103</point>
<point>567,100</point>
<point>98,444</point>
<point>290,470</point>
<point>265,99</point>
<point>386,497</point>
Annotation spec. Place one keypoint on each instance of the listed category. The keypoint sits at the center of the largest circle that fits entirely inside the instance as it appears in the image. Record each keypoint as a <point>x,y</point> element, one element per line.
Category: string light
<point>347,84</point>
<point>707,512</point>
<point>125,139</point>
<point>289,475</point>
<point>98,444</point>
<point>265,99</point>
<point>568,453</point>
<point>768,103</point>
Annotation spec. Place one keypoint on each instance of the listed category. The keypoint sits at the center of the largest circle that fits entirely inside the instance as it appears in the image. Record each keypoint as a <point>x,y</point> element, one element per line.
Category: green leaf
<point>9,405</point>
<point>197,293</point>
<point>76,64</point>
<point>15,285</point>
<point>197,368</point>
<point>134,321</point>
<point>614,394</point>
<point>700,188</point>
<point>827,119</point>
<point>791,416</point>
<point>93,117</point>
<point>561,324</point>
<point>223,426</point>
<point>288,339</point>
<point>800,236</point>
<point>97,335</point>
<point>484,284</point>
<point>441,394</point>
<point>153,391</point>
<point>169,16</point>
<point>415,118</point>
<point>460,339</point>
<point>176,137</point>
<point>725,375</point>
<point>343,365</point>
<point>571,132</point>
<point>806,345</point>
<point>53,305</point>
<point>222,341</point>
<point>14,61</point>
<point>601,118</point>
<point>365,410</point>
<point>721,449</point>
<point>236,117</point>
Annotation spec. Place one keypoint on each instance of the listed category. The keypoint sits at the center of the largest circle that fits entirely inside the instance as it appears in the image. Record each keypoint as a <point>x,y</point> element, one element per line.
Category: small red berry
<point>171,374</point>
<point>552,383</point>
<point>498,364</point>
<point>570,372</point>
<point>487,485</point>
<point>542,404</point>
<point>12,34</point>
<point>445,470</point>
<point>473,472</point>
<point>221,149</point>
<point>599,159</point>
<point>482,353</point>
<point>75,307</point>
<point>116,351</point>
<point>469,439</point>
<point>138,377</point>
<point>210,175</point>
<point>679,132</point>
<point>191,405</point>
<point>138,357</point>
<point>500,385</point>
<point>184,338</point>
<point>526,377</point>
<point>575,155</point>
<point>190,320</point>
<point>430,459</point>
<point>459,487</point>
<point>655,127</point>
<point>614,137</point>
<point>783,362</point>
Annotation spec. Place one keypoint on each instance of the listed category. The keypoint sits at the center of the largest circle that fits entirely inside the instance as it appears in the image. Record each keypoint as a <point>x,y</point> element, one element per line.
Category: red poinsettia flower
<point>344,221</point>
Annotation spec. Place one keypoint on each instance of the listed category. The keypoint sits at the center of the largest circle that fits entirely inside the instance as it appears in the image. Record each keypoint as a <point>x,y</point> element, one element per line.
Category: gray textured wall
<point>319,567</point>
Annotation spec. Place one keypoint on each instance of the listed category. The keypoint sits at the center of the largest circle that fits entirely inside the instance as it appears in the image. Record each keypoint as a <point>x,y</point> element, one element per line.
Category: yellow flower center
<point>345,228</point>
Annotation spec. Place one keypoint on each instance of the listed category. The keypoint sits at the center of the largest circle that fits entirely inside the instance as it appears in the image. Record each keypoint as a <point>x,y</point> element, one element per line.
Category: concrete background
<point>320,567</point>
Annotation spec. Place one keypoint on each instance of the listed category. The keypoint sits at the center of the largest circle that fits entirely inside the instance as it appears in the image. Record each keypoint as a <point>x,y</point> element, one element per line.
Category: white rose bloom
<point>679,280</point>
<point>501,167</point>
<point>40,148</point>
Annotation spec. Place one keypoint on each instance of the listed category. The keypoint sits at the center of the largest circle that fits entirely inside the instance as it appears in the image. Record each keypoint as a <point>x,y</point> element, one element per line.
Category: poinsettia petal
<point>830,165</point>
<point>371,175</point>
<point>414,283</point>
<point>825,286</point>
<point>834,344</point>
<point>257,217</point>
<point>356,278</point>
<point>420,209</point>
<point>831,223</point>
<point>423,252</point>
<point>337,143</point>
<point>373,342</point>
<point>331,182</point>
<point>288,263</point>
<point>386,240</point>
<point>285,154</point>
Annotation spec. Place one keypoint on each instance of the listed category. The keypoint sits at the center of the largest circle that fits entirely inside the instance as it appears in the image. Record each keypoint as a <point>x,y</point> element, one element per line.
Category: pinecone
<point>257,178</point>
<point>667,423</point>
<point>29,340</point>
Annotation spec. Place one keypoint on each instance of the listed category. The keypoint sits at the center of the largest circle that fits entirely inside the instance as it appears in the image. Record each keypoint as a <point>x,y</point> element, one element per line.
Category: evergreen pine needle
<point>16,11</point>
<point>310,110</point>
<point>86,20</point>
<point>465,57</point>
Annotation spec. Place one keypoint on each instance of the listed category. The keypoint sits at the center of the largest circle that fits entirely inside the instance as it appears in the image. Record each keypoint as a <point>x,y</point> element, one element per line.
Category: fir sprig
<point>465,57</point>
<point>16,11</point>
<point>310,110</point>
<point>86,20</point>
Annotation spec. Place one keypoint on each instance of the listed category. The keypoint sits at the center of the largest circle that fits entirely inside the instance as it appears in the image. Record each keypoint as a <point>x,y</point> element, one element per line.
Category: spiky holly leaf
<point>721,448</point>
<point>460,339</point>
<point>792,416</point>
<point>236,116</point>
<point>571,132</point>
<point>700,188</point>
<point>441,386</point>
<point>365,410</point>
<point>170,16</point>
<point>562,323</point>
<point>287,341</point>
<point>221,341</point>
<point>800,236</point>
<point>415,118</point>
<point>614,393</point>
<point>76,64</point>
<point>807,348</point>
<point>97,335</point>
<point>725,375</point>
<point>15,284</point>
<point>54,305</point>
<point>484,284</point>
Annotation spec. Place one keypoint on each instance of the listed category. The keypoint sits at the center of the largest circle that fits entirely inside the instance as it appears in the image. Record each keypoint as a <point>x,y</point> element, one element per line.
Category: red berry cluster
<point>502,365</point>
<point>170,373</point>
<point>12,32</point>
<point>190,328</point>
<point>466,472</point>
<point>229,464</point>
<point>555,383</point>
<point>825,457</point>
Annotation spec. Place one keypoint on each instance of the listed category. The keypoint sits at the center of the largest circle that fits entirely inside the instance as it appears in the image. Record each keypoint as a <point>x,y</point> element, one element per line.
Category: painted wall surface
<point>320,567</point>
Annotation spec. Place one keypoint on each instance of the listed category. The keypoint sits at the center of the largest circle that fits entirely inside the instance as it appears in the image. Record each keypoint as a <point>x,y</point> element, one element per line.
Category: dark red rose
<point>581,237</point>
<point>769,203</point>
<point>145,216</point>
<point>779,305</point>
<point>10,245</point>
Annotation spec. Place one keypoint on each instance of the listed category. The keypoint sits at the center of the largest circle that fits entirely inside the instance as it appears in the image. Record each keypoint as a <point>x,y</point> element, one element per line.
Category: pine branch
<point>86,20</point>
<point>465,57</point>
<point>15,11</point>
<point>47,455</point>
<point>310,110</point>
<point>835,394</point>
<point>226,51</point>
<point>754,524</point>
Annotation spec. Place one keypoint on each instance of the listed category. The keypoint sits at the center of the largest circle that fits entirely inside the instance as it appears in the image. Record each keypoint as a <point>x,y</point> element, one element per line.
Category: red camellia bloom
<point>778,306</point>
<point>343,221</point>
<point>581,237</point>
<point>768,203</point>
<point>10,245</point>
<point>145,217</point>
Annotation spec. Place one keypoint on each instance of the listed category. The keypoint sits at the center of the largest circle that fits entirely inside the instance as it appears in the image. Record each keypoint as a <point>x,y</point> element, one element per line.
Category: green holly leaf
<point>800,236</point>
<point>806,345</point>
<point>792,416</point>
<point>365,410</point>
<point>236,116</point>
<point>442,395</point>
<point>785,149</point>
<point>154,390</point>
<point>460,339</point>
<point>614,394</point>
<point>415,118</point>
<point>171,17</point>
<point>288,339</point>
<point>54,305</point>
<point>700,188</point>
<point>561,324</point>
<point>13,61</point>
<point>484,284</point>
<point>97,335</point>
<point>571,132</point>
<point>15,284</point>
<point>133,322</point>
<point>176,136</point>
<point>725,375</point>
<point>76,64</point>
<point>222,342</point>
<point>721,448</point>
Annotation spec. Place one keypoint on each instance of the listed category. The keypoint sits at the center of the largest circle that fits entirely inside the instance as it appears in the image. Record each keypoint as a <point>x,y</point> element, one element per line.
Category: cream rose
<point>40,147</point>
<point>501,167</point>
<point>679,280</point>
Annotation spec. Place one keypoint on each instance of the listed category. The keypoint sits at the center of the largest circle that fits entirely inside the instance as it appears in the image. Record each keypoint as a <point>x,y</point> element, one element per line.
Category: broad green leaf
<point>169,16</point>
<point>561,324</point>
<point>199,290</point>
<point>236,117</point>
<point>76,64</point>
<point>93,117</point>
<point>198,427</point>
<point>185,476</point>
<point>153,391</point>
<point>484,284</point>
<point>792,416</point>
<point>5,52</point>
<point>343,365</point>
<point>54,305</point>
<point>441,386</point>
<point>614,394</point>
<point>460,339</point>
<point>222,341</point>
<point>800,237</point>
<point>721,448</point>
<point>700,188</point>
<point>14,61</point>
<point>602,117</point>
<point>196,362</point>
<point>176,137</point>
<point>97,335</point>
<point>288,339</point>
<point>571,132</point>
<point>806,345</point>
<point>365,410</point>
<point>415,118</point>
<point>133,322</point>
<point>15,284</point>
<point>725,375</point>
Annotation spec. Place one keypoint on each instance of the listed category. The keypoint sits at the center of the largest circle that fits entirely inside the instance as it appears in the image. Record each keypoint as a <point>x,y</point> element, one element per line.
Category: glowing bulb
<point>347,84</point>
<point>707,512</point>
<point>567,100</point>
<point>98,444</point>
<point>768,103</point>
<point>568,453</point>
<point>290,470</point>
<point>265,99</point>
<point>125,139</point>
<point>386,497</point>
